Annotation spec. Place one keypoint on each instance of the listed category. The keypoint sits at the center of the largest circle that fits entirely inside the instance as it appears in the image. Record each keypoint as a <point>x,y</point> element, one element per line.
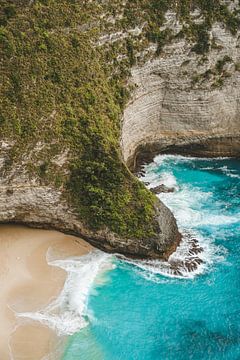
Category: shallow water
<point>141,311</point>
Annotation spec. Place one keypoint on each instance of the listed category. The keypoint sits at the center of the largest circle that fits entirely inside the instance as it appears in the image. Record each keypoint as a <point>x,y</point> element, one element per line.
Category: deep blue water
<point>139,315</point>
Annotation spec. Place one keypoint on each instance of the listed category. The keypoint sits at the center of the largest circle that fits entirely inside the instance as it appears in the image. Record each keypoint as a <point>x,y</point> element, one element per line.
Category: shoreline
<point>29,283</point>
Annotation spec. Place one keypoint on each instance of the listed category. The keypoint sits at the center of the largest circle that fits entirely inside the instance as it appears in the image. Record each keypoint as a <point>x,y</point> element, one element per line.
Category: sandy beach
<point>28,283</point>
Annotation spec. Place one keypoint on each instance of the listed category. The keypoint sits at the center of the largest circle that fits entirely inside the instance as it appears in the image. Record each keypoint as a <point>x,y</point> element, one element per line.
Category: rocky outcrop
<point>24,200</point>
<point>64,88</point>
<point>184,103</point>
<point>161,189</point>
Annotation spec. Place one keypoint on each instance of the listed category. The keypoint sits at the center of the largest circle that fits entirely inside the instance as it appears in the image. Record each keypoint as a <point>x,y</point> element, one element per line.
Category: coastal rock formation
<point>71,71</point>
<point>25,200</point>
<point>161,189</point>
<point>184,103</point>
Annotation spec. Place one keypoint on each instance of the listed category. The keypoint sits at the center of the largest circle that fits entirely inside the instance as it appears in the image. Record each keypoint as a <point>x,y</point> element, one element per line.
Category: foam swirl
<point>69,312</point>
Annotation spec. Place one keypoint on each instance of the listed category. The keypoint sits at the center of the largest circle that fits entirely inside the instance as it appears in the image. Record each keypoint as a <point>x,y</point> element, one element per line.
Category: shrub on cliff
<point>56,92</point>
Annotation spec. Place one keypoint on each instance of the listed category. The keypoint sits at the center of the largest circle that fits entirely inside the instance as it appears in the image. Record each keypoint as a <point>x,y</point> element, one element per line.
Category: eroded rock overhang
<point>181,105</point>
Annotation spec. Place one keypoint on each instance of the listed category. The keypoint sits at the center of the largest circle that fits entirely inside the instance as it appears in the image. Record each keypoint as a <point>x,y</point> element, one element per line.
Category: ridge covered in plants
<point>62,93</point>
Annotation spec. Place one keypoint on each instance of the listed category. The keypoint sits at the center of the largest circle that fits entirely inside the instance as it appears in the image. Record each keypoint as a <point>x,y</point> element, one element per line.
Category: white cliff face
<point>182,99</point>
<point>24,199</point>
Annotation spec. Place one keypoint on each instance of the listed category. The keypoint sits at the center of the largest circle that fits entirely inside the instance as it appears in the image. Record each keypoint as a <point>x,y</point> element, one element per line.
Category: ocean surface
<point>112,309</point>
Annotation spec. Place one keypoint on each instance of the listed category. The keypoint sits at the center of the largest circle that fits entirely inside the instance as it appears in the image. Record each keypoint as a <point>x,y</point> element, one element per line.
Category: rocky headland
<point>90,90</point>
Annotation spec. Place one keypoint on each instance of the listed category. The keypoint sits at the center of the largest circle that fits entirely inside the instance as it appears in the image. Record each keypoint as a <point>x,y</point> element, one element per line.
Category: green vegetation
<point>216,75</point>
<point>201,35</point>
<point>237,66</point>
<point>196,17</point>
<point>208,12</point>
<point>56,92</point>
<point>60,92</point>
<point>221,62</point>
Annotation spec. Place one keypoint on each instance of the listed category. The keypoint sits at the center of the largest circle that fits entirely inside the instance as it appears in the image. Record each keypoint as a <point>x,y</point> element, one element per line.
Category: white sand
<point>28,283</point>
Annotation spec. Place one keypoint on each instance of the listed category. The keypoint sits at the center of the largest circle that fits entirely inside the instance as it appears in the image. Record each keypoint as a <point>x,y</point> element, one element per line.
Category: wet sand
<point>28,283</point>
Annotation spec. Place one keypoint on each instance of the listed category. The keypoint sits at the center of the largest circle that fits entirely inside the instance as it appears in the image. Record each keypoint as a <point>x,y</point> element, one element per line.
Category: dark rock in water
<point>162,189</point>
<point>141,172</point>
<point>191,260</point>
<point>177,272</point>
<point>192,263</point>
<point>195,248</point>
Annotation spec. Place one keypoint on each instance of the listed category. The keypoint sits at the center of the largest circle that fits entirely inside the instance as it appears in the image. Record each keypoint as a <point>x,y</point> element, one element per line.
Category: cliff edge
<point>81,78</point>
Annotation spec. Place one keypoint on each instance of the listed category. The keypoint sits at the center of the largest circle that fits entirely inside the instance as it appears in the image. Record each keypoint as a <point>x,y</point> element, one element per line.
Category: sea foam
<point>69,312</point>
<point>188,205</point>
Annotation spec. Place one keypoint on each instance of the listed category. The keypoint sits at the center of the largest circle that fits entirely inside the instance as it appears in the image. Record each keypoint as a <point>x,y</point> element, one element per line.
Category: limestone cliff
<point>60,159</point>
<point>185,102</point>
<point>71,71</point>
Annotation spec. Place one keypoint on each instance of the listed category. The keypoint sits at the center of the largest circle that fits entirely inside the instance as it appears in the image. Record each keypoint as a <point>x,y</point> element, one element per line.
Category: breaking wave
<point>69,312</point>
<point>198,214</point>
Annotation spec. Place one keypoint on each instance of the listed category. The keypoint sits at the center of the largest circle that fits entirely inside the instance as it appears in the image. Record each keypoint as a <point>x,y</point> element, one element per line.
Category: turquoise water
<point>140,313</point>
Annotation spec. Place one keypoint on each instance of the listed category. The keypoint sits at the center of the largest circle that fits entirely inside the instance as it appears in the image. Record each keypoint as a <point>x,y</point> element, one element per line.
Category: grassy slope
<point>59,90</point>
<point>54,91</point>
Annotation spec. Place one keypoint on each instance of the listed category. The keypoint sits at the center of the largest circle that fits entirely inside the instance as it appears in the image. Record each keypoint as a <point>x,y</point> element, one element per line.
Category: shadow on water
<point>196,341</point>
